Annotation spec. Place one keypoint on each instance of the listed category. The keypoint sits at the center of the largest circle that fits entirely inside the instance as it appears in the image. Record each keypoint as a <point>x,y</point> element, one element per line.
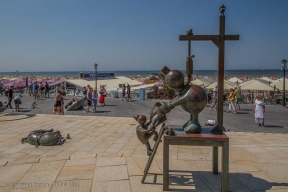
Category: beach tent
<point>279,84</point>
<point>235,79</point>
<point>257,85</point>
<point>199,82</point>
<point>227,85</point>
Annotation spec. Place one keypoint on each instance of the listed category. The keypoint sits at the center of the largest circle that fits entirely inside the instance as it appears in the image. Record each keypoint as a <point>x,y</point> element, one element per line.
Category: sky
<point>72,35</point>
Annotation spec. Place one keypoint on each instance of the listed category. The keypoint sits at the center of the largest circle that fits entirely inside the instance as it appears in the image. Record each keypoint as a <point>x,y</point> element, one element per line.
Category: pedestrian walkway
<point>105,154</point>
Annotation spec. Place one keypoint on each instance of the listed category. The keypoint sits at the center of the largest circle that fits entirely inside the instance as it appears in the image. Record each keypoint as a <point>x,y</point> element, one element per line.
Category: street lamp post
<point>96,66</point>
<point>283,62</point>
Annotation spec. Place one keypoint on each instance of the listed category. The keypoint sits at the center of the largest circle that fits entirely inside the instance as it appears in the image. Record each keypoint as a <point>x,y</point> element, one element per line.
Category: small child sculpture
<point>144,132</point>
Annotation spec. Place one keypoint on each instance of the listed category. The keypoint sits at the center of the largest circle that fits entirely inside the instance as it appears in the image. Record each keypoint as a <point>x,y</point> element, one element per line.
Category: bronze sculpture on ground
<point>45,138</point>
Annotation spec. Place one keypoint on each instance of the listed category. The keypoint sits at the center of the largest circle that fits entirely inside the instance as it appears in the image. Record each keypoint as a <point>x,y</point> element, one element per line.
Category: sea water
<point>209,73</point>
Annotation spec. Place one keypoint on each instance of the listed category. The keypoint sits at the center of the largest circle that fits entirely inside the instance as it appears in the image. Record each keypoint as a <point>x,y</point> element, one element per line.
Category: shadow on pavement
<point>15,114</point>
<point>273,126</point>
<point>201,180</point>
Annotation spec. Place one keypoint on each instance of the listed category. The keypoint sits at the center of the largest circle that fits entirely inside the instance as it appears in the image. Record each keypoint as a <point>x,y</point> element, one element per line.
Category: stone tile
<point>76,173</point>
<point>3,162</point>
<point>107,161</point>
<point>13,173</point>
<point>54,158</point>
<point>48,165</point>
<point>16,149</point>
<point>153,183</point>
<point>77,162</point>
<point>90,155</point>
<point>111,186</point>
<point>110,173</point>
<point>38,180</point>
<point>154,168</point>
<point>72,186</point>
<point>6,189</point>
<point>112,150</point>
<point>29,161</point>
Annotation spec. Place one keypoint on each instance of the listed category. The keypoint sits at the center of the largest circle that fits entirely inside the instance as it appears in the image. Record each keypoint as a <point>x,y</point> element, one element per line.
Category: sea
<point>202,73</point>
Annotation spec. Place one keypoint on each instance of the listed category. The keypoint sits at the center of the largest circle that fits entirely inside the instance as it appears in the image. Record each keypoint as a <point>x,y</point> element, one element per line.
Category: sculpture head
<point>141,119</point>
<point>175,80</point>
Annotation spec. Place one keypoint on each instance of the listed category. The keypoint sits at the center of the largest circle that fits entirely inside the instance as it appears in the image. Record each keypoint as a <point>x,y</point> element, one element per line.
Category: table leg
<point>215,160</point>
<point>225,166</point>
<point>166,165</point>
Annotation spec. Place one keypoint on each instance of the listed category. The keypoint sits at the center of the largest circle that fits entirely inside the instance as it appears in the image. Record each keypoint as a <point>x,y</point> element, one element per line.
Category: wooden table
<point>205,138</point>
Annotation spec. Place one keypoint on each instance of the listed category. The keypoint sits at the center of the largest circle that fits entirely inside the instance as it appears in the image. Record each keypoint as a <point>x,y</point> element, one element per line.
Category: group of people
<point>234,98</point>
<point>12,96</point>
<point>35,89</point>
<point>91,96</point>
<point>124,91</point>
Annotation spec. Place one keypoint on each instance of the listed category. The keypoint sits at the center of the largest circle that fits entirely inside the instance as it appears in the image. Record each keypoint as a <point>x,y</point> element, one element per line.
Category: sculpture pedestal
<point>205,138</point>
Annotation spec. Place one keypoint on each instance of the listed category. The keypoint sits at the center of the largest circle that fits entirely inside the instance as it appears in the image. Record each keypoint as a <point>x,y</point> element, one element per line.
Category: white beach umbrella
<point>257,85</point>
<point>227,85</point>
<point>247,82</point>
<point>235,79</point>
<point>267,79</point>
<point>279,84</point>
<point>199,82</point>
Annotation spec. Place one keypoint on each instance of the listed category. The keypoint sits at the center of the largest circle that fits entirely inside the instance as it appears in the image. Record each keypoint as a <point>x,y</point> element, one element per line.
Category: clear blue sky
<point>71,35</point>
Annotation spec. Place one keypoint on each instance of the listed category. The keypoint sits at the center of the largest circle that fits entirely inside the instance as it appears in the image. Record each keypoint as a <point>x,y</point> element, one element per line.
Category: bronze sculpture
<point>44,137</point>
<point>144,132</point>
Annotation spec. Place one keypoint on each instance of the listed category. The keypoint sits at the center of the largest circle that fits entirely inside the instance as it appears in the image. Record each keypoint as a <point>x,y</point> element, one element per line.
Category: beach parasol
<point>279,84</point>
<point>199,82</point>
<point>235,79</point>
<point>247,82</point>
<point>257,85</point>
<point>266,79</point>
<point>227,85</point>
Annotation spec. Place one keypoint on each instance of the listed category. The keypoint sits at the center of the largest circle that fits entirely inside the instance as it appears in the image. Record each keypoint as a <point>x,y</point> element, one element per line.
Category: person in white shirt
<point>94,99</point>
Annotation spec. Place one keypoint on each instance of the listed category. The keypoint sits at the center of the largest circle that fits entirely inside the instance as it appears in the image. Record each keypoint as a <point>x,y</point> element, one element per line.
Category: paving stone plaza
<point>105,154</point>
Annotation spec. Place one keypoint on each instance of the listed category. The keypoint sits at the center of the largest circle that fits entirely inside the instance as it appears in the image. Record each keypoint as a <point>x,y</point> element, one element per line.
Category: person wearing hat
<point>259,110</point>
<point>214,99</point>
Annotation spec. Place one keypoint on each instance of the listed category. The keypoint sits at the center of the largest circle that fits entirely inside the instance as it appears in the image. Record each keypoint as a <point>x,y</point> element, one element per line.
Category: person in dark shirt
<point>10,97</point>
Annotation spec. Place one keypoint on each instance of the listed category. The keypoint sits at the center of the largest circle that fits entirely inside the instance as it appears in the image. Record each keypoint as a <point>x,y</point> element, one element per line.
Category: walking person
<point>237,96</point>
<point>57,105</point>
<point>231,98</point>
<point>31,89</point>
<point>94,99</point>
<point>123,91</point>
<point>35,90</point>
<point>1,88</point>
<point>17,102</point>
<point>47,89</point>
<point>214,99</point>
<point>89,99</point>
<point>259,110</point>
<point>128,92</point>
<point>10,97</point>
<point>102,96</point>
<point>41,87</point>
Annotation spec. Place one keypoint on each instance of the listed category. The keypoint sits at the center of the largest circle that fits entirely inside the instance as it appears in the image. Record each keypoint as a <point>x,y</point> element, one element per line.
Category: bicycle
<point>79,93</point>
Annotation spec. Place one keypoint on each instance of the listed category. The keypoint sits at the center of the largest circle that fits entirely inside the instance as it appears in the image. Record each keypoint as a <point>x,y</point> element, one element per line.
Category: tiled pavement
<point>104,154</point>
